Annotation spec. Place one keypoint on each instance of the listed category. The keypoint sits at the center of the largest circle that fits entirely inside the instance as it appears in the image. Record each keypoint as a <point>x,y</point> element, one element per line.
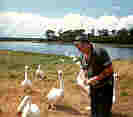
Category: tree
<point>103,32</point>
<point>123,34</point>
<point>93,32</point>
<point>114,32</point>
<point>50,34</point>
<point>100,32</point>
<point>131,32</point>
<point>70,35</point>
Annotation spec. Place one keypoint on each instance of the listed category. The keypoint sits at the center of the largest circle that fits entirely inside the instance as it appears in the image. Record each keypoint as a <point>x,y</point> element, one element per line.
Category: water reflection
<point>117,53</point>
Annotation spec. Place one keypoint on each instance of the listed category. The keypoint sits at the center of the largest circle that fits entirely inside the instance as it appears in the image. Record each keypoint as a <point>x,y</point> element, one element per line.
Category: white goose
<point>26,83</point>
<point>80,82</point>
<point>85,88</point>
<point>56,94</point>
<point>39,73</point>
<point>27,109</point>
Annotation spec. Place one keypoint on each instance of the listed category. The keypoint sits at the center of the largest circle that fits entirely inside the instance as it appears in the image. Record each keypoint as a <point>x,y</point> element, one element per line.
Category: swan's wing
<point>52,94</point>
<point>35,108</point>
<point>23,83</point>
<point>80,82</point>
<point>60,92</point>
<point>26,82</point>
<point>26,111</point>
<point>52,90</point>
<point>81,75</point>
<point>29,82</point>
<point>22,104</point>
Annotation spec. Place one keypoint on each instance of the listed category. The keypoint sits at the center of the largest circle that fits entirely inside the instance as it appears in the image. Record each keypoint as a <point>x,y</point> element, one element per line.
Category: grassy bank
<point>12,71</point>
<point>15,61</point>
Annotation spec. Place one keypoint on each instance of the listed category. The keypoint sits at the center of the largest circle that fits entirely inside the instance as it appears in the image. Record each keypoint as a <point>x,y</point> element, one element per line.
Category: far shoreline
<point>6,52</point>
<point>119,45</point>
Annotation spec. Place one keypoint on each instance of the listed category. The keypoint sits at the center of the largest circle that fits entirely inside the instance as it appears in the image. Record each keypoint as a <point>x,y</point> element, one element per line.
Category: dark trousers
<point>101,101</point>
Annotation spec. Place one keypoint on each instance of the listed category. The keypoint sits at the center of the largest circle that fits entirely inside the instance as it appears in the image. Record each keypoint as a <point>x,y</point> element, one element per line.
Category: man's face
<point>84,47</point>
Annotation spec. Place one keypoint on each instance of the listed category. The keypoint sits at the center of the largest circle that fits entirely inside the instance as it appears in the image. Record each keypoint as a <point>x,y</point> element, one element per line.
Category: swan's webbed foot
<point>51,107</point>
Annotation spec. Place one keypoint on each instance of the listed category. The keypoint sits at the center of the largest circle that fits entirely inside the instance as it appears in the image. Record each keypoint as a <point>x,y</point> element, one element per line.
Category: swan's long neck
<point>39,67</point>
<point>26,70</point>
<point>26,74</point>
<point>24,102</point>
<point>115,80</point>
<point>62,84</point>
<point>61,81</point>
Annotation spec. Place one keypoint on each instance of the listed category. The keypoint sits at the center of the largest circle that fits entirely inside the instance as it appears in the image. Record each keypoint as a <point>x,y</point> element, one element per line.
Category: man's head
<point>83,44</point>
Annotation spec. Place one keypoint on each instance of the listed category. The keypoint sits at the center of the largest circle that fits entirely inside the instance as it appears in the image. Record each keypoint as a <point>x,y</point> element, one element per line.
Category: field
<point>12,74</point>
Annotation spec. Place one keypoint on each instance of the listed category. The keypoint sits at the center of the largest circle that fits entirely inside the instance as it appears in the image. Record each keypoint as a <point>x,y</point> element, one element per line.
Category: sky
<point>59,8</point>
<point>33,17</point>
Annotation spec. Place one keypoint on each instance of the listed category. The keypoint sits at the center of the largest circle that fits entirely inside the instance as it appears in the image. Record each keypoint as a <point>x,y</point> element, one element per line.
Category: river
<point>116,52</point>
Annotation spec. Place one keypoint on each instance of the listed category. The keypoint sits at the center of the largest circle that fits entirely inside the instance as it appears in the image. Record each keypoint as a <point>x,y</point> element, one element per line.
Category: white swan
<point>84,88</point>
<point>116,78</point>
<point>80,82</point>
<point>27,109</point>
<point>26,83</point>
<point>56,94</point>
<point>39,73</point>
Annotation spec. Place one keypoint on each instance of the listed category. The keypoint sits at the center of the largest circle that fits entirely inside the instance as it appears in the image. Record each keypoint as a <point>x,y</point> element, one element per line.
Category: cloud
<point>33,25</point>
<point>19,24</point>
<point>107,22</point>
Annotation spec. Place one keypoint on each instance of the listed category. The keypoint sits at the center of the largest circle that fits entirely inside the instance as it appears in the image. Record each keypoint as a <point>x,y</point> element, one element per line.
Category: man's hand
<point>91,81</point>
<point>87,82</point>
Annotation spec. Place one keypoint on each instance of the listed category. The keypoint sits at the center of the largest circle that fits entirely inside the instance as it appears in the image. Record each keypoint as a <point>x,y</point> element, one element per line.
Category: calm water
<point>62,49</point>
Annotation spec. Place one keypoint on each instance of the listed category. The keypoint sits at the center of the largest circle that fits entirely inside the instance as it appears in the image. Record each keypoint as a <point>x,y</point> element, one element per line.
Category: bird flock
<point>27,109</point>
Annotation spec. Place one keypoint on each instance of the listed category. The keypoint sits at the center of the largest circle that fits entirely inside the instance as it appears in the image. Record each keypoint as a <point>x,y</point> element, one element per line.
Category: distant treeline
<point>18,39</point>
<point>122,36</point>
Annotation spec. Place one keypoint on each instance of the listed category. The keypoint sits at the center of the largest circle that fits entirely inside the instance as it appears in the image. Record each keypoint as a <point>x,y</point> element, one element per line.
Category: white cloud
<point>107,22</point>
<point>33,25</point>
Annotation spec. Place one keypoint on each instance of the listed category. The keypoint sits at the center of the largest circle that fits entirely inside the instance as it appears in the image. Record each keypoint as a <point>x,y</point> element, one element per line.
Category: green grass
<point>123,93</point>
<point>14,60</point>
<point>66,105</point>
<point>126,84</point>
<point>12,64</point>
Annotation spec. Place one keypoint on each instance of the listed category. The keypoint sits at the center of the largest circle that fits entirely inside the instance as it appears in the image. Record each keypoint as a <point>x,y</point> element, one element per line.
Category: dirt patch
<point>11,96</point>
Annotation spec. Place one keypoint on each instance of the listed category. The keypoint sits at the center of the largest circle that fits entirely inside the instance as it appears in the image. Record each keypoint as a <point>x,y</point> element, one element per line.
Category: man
<point>97,66</point>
